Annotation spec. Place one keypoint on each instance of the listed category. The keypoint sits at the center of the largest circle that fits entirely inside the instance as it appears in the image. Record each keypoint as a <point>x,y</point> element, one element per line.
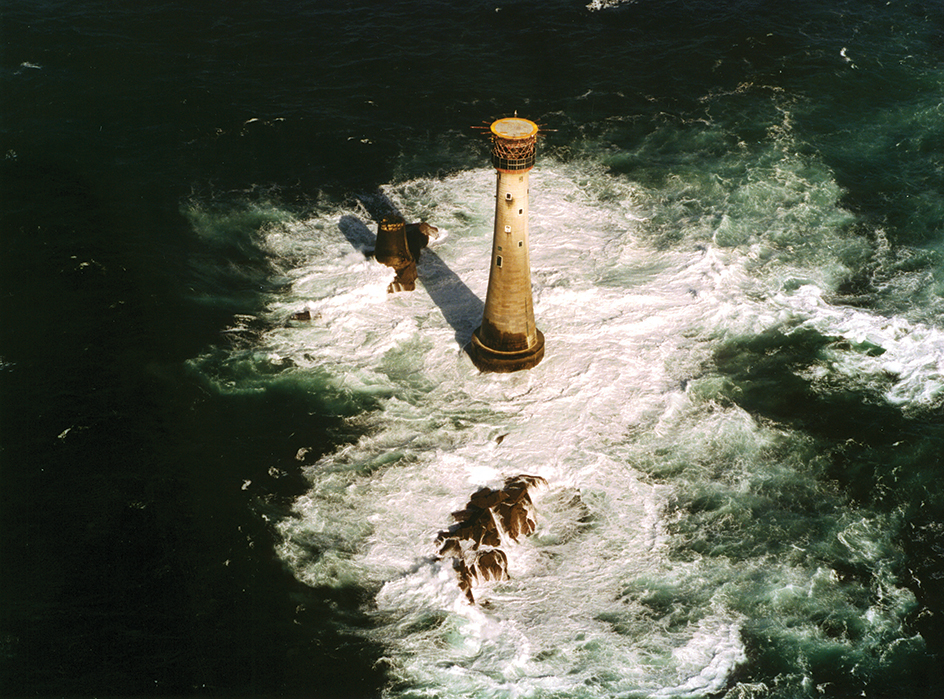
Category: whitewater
<point>621,591</point>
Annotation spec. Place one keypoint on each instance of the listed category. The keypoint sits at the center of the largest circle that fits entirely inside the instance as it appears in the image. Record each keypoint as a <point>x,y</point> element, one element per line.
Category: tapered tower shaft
<point>508,339</point>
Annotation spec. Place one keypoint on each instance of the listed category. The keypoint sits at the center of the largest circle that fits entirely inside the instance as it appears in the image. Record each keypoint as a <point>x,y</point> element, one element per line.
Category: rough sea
<point>737,250</point>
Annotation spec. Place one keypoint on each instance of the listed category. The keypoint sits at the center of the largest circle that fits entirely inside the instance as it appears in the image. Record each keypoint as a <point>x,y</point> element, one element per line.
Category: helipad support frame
<point>508,339</point>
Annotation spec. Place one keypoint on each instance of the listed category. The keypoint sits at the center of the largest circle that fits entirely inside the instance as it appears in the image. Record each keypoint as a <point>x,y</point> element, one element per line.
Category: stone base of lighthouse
<point>496,360</point>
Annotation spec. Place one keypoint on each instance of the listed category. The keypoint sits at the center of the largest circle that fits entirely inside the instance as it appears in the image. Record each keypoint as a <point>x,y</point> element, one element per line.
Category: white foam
<point>597,5</point>
<point>897,359</point>
<point>627,326</point>
<point>375,507</point>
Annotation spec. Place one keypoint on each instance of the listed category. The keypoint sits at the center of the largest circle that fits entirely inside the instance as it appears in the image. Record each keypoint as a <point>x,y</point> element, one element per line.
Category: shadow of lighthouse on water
<point>460,306</point>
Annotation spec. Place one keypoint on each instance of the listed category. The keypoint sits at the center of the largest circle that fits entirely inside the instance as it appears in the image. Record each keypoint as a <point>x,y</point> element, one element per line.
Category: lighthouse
<point>508,340</point>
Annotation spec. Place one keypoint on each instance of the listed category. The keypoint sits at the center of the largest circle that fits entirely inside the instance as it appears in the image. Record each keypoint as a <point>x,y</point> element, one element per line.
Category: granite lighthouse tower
<point>508,340</point>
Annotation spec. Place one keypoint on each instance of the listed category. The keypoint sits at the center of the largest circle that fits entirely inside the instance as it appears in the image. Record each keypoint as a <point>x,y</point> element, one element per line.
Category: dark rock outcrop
<point>399,245</point>
<point>473,541</point>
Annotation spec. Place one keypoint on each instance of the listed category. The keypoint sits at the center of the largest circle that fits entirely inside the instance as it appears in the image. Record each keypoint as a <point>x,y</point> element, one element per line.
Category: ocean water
<point>737,249</point>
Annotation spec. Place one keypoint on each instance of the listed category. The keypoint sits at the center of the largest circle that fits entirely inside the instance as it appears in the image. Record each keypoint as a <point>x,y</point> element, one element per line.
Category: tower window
<point>520,212</point>
<point>498,261</point>
<point>520,243</point>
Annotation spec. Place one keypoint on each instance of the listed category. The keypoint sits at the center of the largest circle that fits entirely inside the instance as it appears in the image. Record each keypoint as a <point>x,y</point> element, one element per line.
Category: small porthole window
<point>498,261</point>
<point>520,212</point>
<point>520,243</point>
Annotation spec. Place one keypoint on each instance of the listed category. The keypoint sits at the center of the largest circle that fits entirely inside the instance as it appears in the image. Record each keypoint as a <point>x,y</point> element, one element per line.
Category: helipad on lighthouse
<point>508,340</point>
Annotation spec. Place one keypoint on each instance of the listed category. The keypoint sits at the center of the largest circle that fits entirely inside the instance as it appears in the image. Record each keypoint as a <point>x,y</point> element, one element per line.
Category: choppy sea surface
<point>737,250</point>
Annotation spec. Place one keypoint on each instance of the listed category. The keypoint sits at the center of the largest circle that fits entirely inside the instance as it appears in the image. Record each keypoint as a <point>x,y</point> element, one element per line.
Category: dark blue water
<point>148,149</point>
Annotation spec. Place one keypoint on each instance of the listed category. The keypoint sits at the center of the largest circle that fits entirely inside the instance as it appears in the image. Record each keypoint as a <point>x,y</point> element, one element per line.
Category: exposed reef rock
<point>489,516</point>
<point>399,245</point>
